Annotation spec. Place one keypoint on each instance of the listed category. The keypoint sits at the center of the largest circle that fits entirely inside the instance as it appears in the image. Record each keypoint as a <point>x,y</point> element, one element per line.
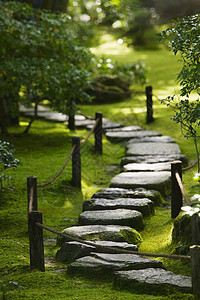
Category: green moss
<point>131,236</point>
<point>182,234</point>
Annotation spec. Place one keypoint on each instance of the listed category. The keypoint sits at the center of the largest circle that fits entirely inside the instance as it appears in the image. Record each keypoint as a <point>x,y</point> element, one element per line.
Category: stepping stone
<point>84,123</point>
<point>114,233</point>
<point>113,193</point>
<point>122,136</point>
<point>124,129</point>
<point>143,205</point>
<point>108,125</point>
<point>117,245</point>
<point>152,280</point>
<point>124,217</point>
<point>106,264</point>
<point>70,251</point>
<point>159,181</point>
<point>153,149</point>
<point>147,167</point>
<point>154,159</point>
<point>152,139</point>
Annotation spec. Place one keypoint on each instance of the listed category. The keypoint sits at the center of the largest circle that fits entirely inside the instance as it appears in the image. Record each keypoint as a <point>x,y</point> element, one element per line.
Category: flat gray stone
<point>144,167</point>
<point>159,181</point>
<point>124,217</point>
<point>70,251</point>
<point>114,233</point>
<point>117,245</point>
<point>143,205</point>
<point>121,136</point>
<point>152,280</point>
<point>84,123</point>
<point>106,264</point>
<point>113,193</point>
<point>153,149</point>
<point>150,159</point>
<point>152,139</point>
<point>124,129</point>
<point>108,125</point>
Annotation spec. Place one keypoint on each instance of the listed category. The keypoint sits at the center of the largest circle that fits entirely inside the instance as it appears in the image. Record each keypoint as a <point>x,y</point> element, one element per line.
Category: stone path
<point>114,216</point>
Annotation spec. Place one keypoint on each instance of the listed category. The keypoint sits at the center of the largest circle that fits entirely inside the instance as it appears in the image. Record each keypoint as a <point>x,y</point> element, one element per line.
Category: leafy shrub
<point>132,72</point>
<point>7,160</point>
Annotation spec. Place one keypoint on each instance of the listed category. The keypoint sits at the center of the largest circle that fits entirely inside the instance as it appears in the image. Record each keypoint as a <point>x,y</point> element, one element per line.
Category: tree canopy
<point>40,59</point>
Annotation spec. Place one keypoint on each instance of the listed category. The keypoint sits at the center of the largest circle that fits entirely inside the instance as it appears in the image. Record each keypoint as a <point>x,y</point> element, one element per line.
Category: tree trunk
<point>4,117</point>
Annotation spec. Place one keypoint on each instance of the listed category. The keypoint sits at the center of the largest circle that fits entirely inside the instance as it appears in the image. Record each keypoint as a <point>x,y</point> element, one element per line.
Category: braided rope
<point>68,158</point>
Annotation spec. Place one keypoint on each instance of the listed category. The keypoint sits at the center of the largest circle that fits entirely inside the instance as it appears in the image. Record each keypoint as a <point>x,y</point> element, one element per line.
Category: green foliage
<point>184,40</point>
<point>7,159</point>
<point>11,286</point>
<point>134,73</point>
<point>129,18</point>
<point>40,58</point>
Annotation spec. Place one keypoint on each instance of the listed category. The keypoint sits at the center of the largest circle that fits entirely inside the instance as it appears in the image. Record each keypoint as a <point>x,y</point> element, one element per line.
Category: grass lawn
<point>42,153</point>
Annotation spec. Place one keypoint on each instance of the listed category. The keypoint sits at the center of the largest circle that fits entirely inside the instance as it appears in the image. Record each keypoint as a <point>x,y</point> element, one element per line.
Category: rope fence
<point>76,168</point>
<point>36,226</point>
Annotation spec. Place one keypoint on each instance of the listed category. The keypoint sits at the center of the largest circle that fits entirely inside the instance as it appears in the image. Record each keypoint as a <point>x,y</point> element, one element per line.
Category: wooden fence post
<point>98,133</point>
<point>176,195</point>
<point>149,104</point>
<point>71,115</point>
<point>195,222</point>
<point>36,240</point>
<point>76,162</point>
<point>195,267</point>
<point>32,193</point>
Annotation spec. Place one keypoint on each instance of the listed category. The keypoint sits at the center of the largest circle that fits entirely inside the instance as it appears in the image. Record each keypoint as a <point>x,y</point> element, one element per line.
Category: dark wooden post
<point>71,120</point>
<point>36,240</point>
<point>195,267</point>
<point>98,133</point>
<point>149,104</point>
<point>32,193</point>
<point>76,162</point>
<point>195,229</point>
<point>176,195</point>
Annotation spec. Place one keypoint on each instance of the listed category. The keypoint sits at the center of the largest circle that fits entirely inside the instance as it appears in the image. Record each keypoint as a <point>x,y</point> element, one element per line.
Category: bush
<point>7,160</point>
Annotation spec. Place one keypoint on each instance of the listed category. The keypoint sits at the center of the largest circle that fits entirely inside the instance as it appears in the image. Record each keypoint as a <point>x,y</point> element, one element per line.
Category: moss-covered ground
<point>43,151</point>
